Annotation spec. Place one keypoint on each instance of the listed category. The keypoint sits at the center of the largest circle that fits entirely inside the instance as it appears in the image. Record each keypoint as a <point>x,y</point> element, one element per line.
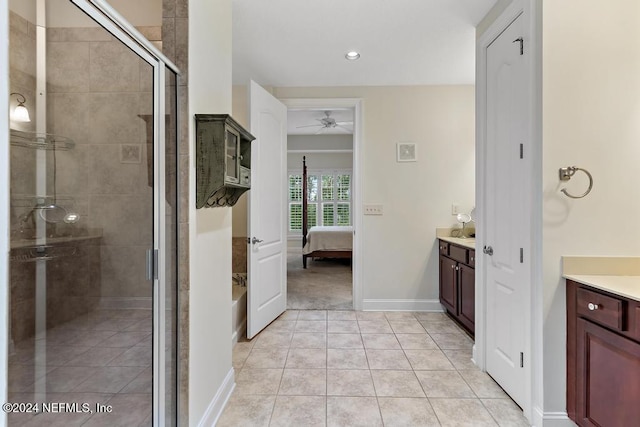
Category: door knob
<point>256,240</point>
<point>488,250</point>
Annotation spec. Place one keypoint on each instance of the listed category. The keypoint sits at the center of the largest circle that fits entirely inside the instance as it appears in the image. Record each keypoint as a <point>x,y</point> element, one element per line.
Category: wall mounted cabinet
<point>223,160</point>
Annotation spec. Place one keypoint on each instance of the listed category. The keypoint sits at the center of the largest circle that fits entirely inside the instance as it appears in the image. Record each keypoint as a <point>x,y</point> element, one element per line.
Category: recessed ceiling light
<point>352,56</point>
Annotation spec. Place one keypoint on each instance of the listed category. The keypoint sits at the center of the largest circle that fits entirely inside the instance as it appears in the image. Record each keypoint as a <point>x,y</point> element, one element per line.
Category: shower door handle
<point>152,264</point>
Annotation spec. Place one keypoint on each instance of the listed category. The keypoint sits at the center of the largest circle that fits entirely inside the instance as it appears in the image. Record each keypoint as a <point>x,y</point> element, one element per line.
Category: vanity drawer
<point>601,308</point>
<point>458,253</point>
<point>443,247</point>
<point>472,258</point>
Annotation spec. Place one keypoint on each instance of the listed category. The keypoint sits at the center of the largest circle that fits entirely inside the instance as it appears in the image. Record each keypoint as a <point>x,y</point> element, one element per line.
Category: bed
<point>322,241</point>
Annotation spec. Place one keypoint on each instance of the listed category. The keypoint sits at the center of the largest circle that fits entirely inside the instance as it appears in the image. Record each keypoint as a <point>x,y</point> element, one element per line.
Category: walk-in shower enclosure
<point>93,218</point>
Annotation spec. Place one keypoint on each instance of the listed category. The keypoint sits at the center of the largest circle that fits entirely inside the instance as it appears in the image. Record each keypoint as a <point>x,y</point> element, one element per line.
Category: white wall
<point>400,260</point>
<point>302,144</point>
<point>320,161</point>
<point>591,116</point>
<point>320,142</point>
<point>491,16</point>
<point>209,229</point>
<point>24,8</point>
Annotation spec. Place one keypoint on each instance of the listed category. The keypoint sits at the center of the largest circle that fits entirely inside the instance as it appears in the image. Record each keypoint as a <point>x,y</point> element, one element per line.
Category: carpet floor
<point>326,284</point>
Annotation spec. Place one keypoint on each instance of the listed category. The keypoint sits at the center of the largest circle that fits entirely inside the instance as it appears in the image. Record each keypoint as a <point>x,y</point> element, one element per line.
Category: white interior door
<point>506,212</point>
<point>267,249</point>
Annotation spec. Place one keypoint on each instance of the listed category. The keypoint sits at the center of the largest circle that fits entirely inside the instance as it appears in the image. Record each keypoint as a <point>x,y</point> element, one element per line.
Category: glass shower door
<point>91,194</point>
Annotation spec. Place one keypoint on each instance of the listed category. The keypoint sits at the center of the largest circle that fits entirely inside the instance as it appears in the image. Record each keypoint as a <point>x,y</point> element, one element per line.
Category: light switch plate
<point>373,209</point>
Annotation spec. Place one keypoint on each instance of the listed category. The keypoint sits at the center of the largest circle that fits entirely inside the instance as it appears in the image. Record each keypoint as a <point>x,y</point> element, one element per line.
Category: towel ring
<point>566,174</point>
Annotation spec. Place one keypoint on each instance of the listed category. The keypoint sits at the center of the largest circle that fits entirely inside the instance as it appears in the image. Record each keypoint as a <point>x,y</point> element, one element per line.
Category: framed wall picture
<point>406,152</point>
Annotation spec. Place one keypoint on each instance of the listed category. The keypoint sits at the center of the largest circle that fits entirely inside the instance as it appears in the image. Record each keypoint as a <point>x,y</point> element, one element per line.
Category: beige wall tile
<point>67,67</point>
<point>113,68</point>
<point>123,271</point>
<point>125,219</point>
<point>68,114</point>
<point>110,175</point>
<point>114,118</point>
<point>78,34</point>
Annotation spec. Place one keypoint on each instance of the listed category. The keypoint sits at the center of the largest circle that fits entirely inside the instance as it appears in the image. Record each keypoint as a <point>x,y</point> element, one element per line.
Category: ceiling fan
<point>328,122</point>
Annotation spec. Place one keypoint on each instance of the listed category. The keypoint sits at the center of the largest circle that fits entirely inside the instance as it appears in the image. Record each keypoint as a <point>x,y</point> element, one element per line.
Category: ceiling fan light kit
<point>329,122</point>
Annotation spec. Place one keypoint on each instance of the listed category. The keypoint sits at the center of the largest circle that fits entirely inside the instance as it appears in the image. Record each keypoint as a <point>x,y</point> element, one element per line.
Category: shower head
<point>54,214</point>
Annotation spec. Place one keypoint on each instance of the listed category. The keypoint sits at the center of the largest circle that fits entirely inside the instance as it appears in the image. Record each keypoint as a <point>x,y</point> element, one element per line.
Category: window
<point>328,199</point>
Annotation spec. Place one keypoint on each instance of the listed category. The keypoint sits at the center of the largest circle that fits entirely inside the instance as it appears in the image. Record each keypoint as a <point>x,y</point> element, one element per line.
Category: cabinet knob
<point>457,268</point>
<point>593,306</point>
<point>471,259</point>
<point>453,267</point>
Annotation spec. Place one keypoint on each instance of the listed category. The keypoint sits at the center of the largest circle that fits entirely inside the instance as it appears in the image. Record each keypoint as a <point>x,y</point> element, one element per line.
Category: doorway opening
<point>319,208</point>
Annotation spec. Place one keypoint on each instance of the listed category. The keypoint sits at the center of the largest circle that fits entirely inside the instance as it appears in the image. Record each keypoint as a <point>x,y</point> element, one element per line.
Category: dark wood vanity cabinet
<point>457,283</point>
<point>603,357</point>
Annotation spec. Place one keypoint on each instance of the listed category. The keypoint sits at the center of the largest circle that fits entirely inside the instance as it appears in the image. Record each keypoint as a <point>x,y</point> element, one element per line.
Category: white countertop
<point>469,243</point>
<point>625,286</point>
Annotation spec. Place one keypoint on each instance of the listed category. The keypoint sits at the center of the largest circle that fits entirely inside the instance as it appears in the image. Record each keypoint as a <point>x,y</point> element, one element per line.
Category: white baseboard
<point>551,419</point>
<point>402,305</point>
<point>213,412</point>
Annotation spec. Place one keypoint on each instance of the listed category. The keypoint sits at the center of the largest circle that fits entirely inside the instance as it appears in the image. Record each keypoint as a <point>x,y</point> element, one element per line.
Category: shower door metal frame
<point>117,25</point>
<point>4,205</point>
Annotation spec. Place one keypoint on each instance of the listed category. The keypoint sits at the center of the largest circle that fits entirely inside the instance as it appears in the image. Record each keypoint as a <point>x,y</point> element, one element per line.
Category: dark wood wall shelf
<point>223,160</point>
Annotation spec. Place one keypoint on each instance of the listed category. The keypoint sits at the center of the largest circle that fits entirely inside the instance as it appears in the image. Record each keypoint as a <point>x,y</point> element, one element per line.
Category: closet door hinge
<point>521,359</point>
<point>522,151</point>
<point>521,40</point>
<point>521,255</point>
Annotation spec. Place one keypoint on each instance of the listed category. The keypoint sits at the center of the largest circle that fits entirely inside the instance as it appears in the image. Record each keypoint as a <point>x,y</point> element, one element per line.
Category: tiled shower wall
<point>239,255</point>
<point>175,44</point>
<point>99,93</point>
<point>73,287</point>
<point>22,79</point>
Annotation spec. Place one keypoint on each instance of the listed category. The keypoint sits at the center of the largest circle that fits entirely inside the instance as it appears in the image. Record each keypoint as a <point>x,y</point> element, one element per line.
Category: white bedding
<point>329,238</point>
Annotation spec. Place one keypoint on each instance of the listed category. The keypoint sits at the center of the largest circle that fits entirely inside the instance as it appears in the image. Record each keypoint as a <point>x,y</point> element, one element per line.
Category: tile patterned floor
<point>102,357</point>
<point>347,368</point>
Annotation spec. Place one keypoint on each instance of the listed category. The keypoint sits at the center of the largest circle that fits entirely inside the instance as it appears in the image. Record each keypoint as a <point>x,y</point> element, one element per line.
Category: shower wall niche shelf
<point>41,141</point>
<point>32,201</point>
<point>223,160</point>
